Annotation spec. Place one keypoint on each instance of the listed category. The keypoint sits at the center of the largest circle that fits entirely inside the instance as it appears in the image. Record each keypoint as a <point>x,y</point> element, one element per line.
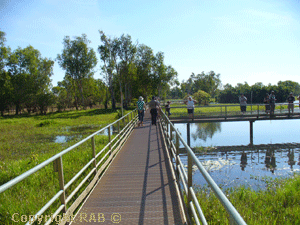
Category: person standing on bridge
<point>153,105</point>
<point>190,106</point>
<point>141,107</point>
<point>272,103</point>
<point>267,103</point>
<point>243,103</point>
<point>291,100</point>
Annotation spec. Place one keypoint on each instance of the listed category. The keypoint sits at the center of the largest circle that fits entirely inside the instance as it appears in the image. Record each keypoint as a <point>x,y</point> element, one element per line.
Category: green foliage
<point>278,204</point>
<point>78,61</point>
<point>27,141</point>
<point>202,97</point>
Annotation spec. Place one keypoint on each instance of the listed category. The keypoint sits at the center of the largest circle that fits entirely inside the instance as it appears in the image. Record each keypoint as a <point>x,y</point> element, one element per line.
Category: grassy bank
<point>278,204</point>
<point>27,141</point>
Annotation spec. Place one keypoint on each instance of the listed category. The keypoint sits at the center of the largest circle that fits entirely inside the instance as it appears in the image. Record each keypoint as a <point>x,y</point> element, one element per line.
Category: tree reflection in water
<point>205,130</point>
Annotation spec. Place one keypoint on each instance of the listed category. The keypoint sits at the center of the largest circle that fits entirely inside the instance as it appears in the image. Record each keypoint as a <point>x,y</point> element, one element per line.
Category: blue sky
<point>243,40</point>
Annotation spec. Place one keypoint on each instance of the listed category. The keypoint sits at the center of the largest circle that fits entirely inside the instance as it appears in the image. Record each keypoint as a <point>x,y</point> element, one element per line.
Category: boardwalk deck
<point>138,187</point>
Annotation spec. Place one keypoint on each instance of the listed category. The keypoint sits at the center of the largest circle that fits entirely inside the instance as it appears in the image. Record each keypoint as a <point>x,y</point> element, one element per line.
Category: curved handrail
<point>233,213</point>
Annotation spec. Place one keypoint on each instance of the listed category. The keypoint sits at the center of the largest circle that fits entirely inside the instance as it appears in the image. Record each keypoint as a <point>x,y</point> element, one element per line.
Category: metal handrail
<point>193,206</point>
<point>57,159</point>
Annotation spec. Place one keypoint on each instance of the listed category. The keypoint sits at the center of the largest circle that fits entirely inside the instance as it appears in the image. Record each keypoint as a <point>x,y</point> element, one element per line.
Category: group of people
<point>154,106</point>
<point>155,109</point>
<point>269,101</point>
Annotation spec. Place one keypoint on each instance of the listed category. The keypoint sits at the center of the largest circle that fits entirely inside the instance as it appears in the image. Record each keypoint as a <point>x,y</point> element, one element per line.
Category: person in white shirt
<point>190,106</point>
<point>243,103</point>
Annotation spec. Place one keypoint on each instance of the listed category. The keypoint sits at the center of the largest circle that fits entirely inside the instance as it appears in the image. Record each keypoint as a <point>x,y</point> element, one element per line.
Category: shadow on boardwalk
<point>138,187</point>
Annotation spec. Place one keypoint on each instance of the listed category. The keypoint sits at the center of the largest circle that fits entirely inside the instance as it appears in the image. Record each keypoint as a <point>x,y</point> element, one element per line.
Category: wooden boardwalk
<point>138,187</point>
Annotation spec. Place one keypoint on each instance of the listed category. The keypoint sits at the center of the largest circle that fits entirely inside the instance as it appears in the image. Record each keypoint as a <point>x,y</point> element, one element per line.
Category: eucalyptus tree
<point>78,60</point>
<point>144,62</point>
<point>30,75</point>
<point>5,81</point>
<point>125,67</point>
<point>108,54</point>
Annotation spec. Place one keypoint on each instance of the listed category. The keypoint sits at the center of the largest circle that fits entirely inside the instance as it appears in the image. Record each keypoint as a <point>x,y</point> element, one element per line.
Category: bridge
<point>137,178</point>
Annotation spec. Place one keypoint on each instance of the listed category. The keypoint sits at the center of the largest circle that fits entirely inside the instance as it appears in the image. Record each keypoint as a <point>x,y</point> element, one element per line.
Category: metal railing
<point>98,162</point>
<point>192,206</point>
<point>227,111</point>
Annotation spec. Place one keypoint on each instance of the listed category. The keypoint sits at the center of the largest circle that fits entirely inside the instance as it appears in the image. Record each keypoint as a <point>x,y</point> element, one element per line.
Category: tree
<point>78,60</point>
<point>5,81</point>
<point>202,97</point>
<point>144,65</point>
<point>30,77</point>
<point>108,53</point>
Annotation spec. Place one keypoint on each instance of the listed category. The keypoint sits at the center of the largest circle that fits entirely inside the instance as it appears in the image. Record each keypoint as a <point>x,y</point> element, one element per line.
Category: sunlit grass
<point>278,204</point>
<point>26,141</point>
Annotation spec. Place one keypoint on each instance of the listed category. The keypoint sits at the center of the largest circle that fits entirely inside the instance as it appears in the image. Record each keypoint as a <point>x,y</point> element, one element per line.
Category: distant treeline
<point>128,70</point>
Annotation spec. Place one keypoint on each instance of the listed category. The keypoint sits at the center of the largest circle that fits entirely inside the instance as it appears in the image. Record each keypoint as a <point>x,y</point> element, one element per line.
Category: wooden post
<point>118,126</point>
<point>251,132</point>
<point>188,135</point>
<point>225,112</point>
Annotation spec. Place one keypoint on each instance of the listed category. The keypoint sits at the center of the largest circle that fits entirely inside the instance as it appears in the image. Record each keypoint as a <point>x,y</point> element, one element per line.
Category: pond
<point>276,151</point>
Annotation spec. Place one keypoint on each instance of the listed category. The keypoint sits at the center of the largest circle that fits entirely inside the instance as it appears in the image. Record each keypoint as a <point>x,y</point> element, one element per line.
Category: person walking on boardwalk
<point>291,100</point>
<point>243,103</point>
<point>272,103</point>
<point>141,107</point>
<point>153,105</point>
<point>190,103</point>
<point>267,103</point>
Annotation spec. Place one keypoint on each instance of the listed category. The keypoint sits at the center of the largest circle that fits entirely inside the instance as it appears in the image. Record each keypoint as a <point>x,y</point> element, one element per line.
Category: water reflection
<point>237,133</point>
<point>205,130</point>
<point>291,157</point>
<point>248,167</point>
<point>243,160</point>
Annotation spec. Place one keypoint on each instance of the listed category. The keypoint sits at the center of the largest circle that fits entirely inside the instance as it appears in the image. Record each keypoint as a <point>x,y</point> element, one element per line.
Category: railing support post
<point>177,155</point>
<point>94,153</point>
<point>251,132</point>
<point>61,183</point>
<point>190,184</point>
<point>225,112</point>
<point>109,139</point>
<point>188,135</point>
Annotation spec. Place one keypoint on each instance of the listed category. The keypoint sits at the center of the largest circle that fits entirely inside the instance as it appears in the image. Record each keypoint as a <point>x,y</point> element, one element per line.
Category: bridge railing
<point>192,206</point>
<point>95,167</point>
<point>231,110</point>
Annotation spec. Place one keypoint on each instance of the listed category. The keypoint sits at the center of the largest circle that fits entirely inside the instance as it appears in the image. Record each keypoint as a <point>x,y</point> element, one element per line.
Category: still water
<point>229,168</point>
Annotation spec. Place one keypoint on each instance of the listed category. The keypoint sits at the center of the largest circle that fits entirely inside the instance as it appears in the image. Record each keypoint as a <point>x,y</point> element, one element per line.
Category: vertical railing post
<point>131,115</point>
<point>118,126</point>
<point>177,155</point>
<point>225,112</point>
<point>61,183</point>
<point>171,136</point>
<point>94,153</point>
<point>190,175</point>
<point>257,111</point>
<point>109,139</point>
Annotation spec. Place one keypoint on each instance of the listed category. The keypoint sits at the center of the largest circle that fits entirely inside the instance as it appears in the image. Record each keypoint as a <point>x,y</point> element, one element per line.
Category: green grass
<point>26,141</point>
<point>278,204</point>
